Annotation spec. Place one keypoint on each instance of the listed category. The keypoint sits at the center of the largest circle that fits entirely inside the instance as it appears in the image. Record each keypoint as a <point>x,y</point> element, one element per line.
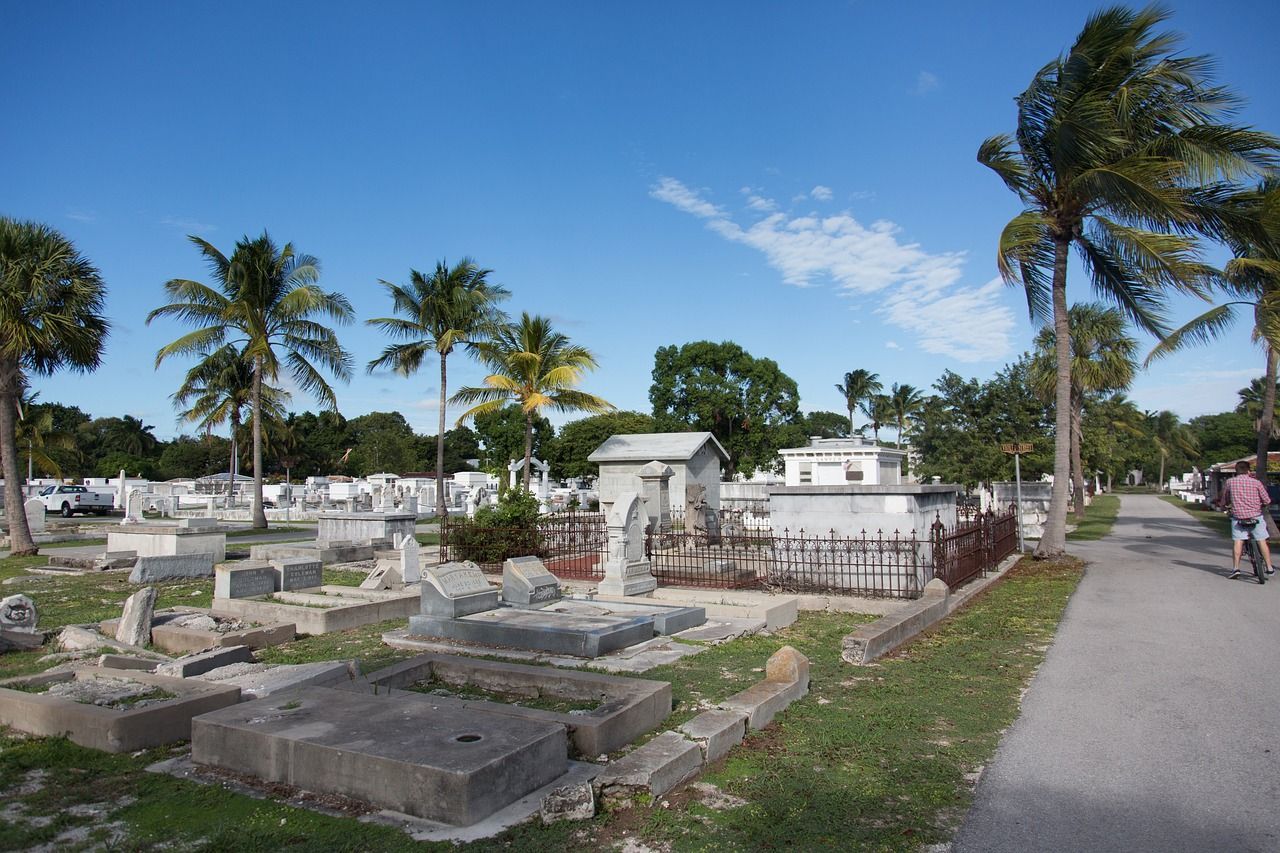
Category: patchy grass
<point>73,543</point>
<point>1218,522</point>
<point>541,701</point>
<point>876,757</point>
<point>427,538</point>
<point>1099,518</point>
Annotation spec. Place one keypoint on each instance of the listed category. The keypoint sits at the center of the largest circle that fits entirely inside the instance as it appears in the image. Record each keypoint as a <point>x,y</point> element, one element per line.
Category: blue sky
<point>799,178</point>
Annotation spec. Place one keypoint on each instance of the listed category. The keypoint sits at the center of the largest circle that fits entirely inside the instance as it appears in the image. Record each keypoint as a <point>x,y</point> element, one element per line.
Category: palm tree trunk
<point>851,420</point>
<point>1160,483</point>
<point>1054,539</point>
<point>444,376</point>
<point>1077,468</point>
<point>231,463</point>
<point>20,542</point>
<point>528,447</point>
<point>259,514</point>
<point>1267,418</point>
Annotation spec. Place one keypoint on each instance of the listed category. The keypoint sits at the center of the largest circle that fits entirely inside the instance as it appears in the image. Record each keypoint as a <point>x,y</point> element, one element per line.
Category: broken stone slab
<point>189,666</point>
<point>259,680</point>
<point>876,639</point>
<point>787,665</point>
<point>150,569</point>
<point>656,767</point>
<point>569,802</point>
<point>385,576</point>
<point>763,701</point>
<point>77,638</point>
<point>18,613</point>
<point>716,732</point>
<point>127,662</point>
<point>135,621</point>
<point>19,641</point>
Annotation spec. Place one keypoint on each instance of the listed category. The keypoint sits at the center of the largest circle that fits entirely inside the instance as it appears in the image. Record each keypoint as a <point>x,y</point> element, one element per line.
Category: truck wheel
<point>66,510</point>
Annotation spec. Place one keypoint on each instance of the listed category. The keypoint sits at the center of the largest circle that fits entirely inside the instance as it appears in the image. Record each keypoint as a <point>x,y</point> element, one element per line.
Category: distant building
<point>694,457</point>
<point>842,461</point>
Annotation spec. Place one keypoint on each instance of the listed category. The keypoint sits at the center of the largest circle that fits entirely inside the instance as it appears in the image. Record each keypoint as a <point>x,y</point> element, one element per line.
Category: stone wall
<point>850,510</point>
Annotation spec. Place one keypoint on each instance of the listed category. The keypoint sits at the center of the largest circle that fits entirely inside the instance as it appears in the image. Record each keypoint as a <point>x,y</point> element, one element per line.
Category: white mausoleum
<point>842,461</point>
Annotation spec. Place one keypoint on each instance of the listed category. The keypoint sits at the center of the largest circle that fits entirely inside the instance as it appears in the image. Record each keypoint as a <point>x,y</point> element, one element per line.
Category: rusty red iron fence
<point>973,547</point>
<point>571,544</point>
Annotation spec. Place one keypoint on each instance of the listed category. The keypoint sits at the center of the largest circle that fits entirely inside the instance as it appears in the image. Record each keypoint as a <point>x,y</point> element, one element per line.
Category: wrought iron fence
<point>572,544</point>
<point>973,547</point>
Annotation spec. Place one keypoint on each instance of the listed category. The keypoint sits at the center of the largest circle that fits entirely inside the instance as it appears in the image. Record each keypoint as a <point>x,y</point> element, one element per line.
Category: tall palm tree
<point>218,390</point>
<point>51,317</point>
<point>906,402</point>
<point>535,366</point>
<point>857,386</point>
<point>455,306</point>
<point>1169,435</point>
<point>265,304</point>
<point>1118,145</point>
<point>879,410</point>
<point>1103,361</point>
<point>1253,276</point>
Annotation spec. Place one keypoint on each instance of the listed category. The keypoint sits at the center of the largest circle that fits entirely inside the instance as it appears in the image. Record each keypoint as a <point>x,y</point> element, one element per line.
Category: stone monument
<point>527,583</point>
<point>627,571</point>
<point>453,590</point>
<point>18,613</point>
<point>655,490</point>
<point>133,507</point>
<point>410,562</point>
<point>34,509</point>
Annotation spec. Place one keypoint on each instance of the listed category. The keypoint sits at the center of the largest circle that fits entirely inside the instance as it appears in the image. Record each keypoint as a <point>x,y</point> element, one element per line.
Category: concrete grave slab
<point>452,765</point>
<point>168,540</point>
<point>667,618</point>
<point>179,631</point>
<point>151,569</point>
<point>338,608</point>
<point>562,633</point>
<point>629,707</point>
<point>527,583</point>
<point>109,729</point>
<point>386,575</point>
<point>260,680</point>
<point>135,621</point>
<point>199,663</point>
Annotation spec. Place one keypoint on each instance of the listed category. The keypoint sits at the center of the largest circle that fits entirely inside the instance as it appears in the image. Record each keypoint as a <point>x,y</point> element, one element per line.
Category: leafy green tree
<point>502,433</point>
<point>267,305</point>
<point>579,439</point>
<point>1116,145</point>
<point>826,425</point>
<point>191,456</point>
<point>1171,438</point>
<point>858,386</point>
<point>1222,437</point>
<point>538,368</point>
<point>321,440</point>
<point>36,434</point>
<point>461,445</point>
<point>878,409</point>
<point>747,403</point>
<point>455,306</point>
<point>62,447</point>
<point>382,441</point>
<point>52,301</point>
<point>116,461</point>
<point>1113,436</point>
<point>1103,361</point>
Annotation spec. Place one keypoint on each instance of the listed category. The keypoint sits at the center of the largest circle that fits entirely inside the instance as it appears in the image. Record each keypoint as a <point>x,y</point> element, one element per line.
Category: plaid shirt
<point>1246,496</point>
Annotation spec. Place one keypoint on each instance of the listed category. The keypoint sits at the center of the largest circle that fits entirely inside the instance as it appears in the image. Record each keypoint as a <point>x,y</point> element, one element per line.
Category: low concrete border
<point>106,728</point>
<point>355,613</point>
<point>630,706</point>
<point>877,639</point>
<point>181,641</point>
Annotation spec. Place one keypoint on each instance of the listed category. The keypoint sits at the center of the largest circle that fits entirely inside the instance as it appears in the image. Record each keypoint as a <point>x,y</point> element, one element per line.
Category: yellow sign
<point>1025,447</point>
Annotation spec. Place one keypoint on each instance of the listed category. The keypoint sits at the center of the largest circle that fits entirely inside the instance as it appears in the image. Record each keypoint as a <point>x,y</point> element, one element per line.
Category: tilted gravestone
<point>18,613</point>
<point>385,576</point>
<point>299,573</point>
<point>135,621</point>
<point>627,571</point>
<point>245,580</point>
<point>453,590</point>
<point>34,509</point>
<point>527,583</point>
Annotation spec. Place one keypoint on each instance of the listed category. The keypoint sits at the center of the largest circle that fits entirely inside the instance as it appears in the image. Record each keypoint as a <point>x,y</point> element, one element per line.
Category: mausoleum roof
<point>661,446</point>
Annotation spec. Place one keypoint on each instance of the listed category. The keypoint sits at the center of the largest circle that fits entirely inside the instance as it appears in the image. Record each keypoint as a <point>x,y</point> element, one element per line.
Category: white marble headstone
<point>35,515</point>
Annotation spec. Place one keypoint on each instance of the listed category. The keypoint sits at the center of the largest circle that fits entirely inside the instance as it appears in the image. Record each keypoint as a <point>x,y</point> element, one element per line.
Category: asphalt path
<point>1151,725</point>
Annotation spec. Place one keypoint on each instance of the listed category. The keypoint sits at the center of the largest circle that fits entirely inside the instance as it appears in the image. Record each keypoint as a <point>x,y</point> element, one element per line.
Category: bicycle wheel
<point>1255,557</point>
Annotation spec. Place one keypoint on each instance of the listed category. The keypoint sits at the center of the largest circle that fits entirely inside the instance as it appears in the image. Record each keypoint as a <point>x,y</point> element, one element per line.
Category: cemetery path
<point>1150,725</point>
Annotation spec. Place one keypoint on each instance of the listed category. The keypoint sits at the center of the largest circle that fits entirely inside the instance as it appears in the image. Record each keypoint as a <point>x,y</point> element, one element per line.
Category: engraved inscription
<point>247,583</point>
<point>545,593</point>
<point>301,575</point>
<point>459,579</point>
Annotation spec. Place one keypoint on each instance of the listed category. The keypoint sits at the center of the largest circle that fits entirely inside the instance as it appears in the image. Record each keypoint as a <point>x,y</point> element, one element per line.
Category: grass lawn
<point>1216,521</point>
<point>879,757</point>
<point>1099,518</point>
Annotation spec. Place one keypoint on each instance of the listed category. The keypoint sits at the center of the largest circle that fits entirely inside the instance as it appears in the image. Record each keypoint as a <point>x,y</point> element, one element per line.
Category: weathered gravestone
<point>627,571</point>
<point>453,590</point>
<point>409,503</point>
<point>527,583</point>
<point>133,507</point>
<point>245,580</point>
<point>34,509</point>
<point>655,491</point>
<point>135,621</point>
<point>18,613</point>
<point>164,567</point>
<point>410,562</point>
<point>385,576</point>
<point>299,573</point>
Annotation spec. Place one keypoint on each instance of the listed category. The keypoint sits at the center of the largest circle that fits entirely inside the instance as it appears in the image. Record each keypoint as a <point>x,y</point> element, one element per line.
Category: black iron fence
<point>572,544</point>
<point>973,547</point>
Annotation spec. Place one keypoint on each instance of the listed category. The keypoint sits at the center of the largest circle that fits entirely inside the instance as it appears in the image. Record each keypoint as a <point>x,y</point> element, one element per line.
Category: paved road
<point>1153,722</point>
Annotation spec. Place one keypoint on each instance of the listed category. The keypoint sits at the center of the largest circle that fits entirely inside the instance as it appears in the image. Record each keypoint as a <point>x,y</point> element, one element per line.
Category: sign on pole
<point>1017,449</point>
<point>1024,447</point>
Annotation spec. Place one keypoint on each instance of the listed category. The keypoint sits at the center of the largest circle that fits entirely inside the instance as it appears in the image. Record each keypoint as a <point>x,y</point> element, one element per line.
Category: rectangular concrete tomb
<point>527,583</point>
<point>189,629</point>
<point>168,540</point>
<point>586,636</point>
<point>453,590</point>
<point>454,765</point>
<point>244,580</point>
<point>330,608</point>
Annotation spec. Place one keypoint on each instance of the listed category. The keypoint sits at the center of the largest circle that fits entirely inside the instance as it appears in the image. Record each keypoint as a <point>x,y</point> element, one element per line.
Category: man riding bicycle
<point>1245,499</point>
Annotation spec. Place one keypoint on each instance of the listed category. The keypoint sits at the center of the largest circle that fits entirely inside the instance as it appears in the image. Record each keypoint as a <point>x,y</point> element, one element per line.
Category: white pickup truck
<point>68,500</point>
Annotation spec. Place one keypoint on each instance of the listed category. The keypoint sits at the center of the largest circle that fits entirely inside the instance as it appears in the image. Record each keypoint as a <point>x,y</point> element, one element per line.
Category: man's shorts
<point>1241,528</point>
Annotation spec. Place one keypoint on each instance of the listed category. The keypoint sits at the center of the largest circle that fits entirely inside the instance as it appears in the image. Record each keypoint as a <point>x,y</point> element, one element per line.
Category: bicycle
<point>1253,549</point>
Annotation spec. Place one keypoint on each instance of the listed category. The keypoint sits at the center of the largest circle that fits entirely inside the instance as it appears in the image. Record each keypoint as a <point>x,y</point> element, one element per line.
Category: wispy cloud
<point>821,193</point>
<point>190,226</point>
<point>919,291</point>
<point>82,215</point>
<point>926,82</point>
<point>892,345</point>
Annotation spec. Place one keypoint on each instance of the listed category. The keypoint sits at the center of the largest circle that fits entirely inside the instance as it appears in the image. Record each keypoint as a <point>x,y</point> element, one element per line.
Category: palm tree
<point>217,390</point>
<point>535,366</point>
<point>130,435</point>
<point>265,305</point>
<point>1169,435</point>
<point>857,386</point>
<point>906,402</point>
<point>51,316</point>
<point>455,306</point>
<point>879,410</point>
<point>1254,276</point>
<point>35,431</point>
<point>1103,361</point>
<point>1116,147</point>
